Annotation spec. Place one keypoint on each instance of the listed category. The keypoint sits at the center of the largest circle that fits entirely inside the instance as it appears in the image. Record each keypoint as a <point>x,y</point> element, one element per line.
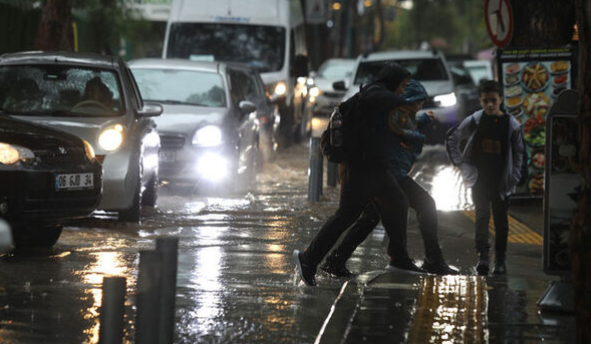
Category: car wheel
<point>36,235</point>
<point>133,213</point>
<point>150,195</point>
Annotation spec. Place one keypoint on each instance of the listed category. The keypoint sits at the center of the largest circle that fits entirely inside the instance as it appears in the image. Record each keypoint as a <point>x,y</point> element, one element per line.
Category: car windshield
<point>181,86</point>
<point>420,69</point>
<point>336,69</point>
<point>59,91</point>
<point>262,47</point>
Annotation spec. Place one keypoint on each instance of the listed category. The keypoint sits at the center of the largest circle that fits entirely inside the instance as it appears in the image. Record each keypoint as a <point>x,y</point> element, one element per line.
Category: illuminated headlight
<point>446,100</point>
<point>89,150</point>
<point>314,92</point>
<point>212,167</point>
<point>111,138</point>
<point>207,136</point>
<point>11,154</point>
<point>280,89</point>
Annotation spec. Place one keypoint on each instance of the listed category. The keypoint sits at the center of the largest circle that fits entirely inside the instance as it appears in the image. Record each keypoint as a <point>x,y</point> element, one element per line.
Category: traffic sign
<point>316,11</point>
<point>499,21</point>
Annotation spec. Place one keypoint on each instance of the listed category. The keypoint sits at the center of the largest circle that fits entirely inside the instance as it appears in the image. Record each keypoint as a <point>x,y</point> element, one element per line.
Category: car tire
<point>36,235</point>
<point>150,195</point>
<point>133,213</point>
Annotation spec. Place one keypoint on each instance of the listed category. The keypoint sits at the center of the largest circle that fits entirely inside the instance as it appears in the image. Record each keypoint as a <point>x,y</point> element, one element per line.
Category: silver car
<point>209,129</point>
<point>94,97</point>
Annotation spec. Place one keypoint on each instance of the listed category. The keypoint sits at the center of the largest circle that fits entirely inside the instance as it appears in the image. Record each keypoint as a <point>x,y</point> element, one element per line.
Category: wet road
<point>236,280</point>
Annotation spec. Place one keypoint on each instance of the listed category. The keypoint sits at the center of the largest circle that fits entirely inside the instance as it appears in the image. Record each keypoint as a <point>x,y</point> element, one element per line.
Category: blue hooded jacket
<point>407,138</point>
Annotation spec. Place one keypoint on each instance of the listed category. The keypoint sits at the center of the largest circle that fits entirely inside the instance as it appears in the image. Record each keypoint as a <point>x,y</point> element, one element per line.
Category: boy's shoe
<point>306,271</point>
<point>438,267</point>
<point>337,269</point>
<point>482,267</point>
<point>406,266</point>
<point>500,268</point>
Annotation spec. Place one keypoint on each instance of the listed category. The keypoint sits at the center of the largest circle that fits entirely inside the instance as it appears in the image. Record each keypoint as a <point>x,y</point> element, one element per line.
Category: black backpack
<point>355,130</point>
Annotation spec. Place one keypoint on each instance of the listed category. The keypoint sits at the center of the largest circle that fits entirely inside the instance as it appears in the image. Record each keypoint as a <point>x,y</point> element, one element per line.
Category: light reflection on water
<point>448,190</point>
<point>451,307</point>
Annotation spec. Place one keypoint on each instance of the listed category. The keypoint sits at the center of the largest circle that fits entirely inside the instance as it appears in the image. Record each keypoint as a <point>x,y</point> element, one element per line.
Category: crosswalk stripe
<point>519,232</point>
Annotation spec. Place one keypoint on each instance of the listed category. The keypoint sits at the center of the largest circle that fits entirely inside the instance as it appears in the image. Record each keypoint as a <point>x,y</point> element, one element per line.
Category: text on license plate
<point>167,156</point>
<point>74,181</point>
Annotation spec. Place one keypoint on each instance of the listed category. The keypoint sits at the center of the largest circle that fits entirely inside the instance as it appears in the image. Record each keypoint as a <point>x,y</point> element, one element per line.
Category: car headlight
<point>89,150</point>
<point>207,136</point>
<point>11,154</point>
<point>280,89</point>
<point>111,138</point>
<point>314,92</point>
<point>446,100</point>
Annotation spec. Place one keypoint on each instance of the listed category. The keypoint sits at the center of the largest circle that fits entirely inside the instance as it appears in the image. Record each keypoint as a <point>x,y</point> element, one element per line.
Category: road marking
<point>519,232</point>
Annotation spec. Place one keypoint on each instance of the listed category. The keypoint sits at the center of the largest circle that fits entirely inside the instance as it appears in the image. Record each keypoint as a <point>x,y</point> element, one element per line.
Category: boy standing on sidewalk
<point>491,166</point>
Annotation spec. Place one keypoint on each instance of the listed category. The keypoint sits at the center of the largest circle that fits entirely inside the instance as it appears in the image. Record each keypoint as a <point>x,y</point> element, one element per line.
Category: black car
<point>46,177</point>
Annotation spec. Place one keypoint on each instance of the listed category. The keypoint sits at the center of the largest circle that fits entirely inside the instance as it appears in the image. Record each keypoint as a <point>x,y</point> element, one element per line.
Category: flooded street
<point>237,284</point>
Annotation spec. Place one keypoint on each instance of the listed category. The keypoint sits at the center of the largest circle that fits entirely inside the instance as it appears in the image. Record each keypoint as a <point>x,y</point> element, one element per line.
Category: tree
<point>55,29</point>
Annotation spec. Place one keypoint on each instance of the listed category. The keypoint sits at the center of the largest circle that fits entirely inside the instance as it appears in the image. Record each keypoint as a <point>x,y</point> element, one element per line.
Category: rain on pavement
<point>236,280</point>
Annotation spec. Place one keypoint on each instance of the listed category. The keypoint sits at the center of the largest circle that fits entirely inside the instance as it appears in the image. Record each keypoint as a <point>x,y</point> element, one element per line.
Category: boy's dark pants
<point>485,197</point>
<point>424,205</point>
<point>360,186</point>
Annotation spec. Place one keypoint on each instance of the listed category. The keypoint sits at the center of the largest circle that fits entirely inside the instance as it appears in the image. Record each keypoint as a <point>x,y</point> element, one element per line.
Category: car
<point>209,128</point>
<point>427,66</point>
<point>480,70</point>
<point>465,89</point>
<point>322,96</point>
<point>48,176</point>
<point>94,97</point>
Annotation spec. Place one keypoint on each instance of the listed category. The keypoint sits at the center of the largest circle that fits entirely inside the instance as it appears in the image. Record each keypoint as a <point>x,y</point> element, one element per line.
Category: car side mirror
<point>300,66</point>
<point>247,107</point>
<point>150,110</point>
<point>339,86</point>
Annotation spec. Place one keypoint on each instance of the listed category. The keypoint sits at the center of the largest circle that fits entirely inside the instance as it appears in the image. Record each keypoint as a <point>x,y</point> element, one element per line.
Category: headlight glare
<point>446,100</point>
<point>280,89</point>
<point>89,150</point>
<point>111,138</point>
<point>207,136</point>
<point>314,92</point>
<point>11,154</point>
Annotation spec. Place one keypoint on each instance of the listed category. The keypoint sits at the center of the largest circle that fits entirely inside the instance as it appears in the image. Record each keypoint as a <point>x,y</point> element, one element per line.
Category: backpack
<point>355,128</point>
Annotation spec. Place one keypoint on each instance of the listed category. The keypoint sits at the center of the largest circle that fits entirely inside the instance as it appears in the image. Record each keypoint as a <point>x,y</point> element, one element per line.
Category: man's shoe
<point>482,267</point>
<point>306,271</point>
<point>336,269</point>
<point>406,266</point>
<point>500,268</point>
<point>438,267</point>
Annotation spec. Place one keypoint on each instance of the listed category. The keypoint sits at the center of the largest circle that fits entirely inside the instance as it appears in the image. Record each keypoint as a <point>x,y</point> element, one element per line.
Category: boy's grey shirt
<point>514,158</point>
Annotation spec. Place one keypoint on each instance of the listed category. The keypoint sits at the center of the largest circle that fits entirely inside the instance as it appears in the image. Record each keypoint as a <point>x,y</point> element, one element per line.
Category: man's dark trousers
<point>484,197</point>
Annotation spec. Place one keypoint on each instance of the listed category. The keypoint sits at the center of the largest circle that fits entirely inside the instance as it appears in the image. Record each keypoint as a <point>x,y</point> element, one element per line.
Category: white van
<point>266,34</point>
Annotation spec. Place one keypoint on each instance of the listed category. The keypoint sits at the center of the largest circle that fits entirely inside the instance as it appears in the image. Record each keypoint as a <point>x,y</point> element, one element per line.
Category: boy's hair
<point>490,86</point>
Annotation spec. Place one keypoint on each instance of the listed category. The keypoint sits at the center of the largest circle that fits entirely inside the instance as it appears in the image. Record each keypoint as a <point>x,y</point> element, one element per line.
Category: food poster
<point>532,79</point>
<point>563,182</point>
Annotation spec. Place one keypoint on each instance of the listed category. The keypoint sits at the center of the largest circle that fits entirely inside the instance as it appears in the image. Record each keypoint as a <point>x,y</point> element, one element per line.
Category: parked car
<point>480,70</point>
<point>209,128</point>
<point>322,96</point>
<point>47,176</point>
<point>427,66</point>
<point>96,98</point>
<point>465,89</point>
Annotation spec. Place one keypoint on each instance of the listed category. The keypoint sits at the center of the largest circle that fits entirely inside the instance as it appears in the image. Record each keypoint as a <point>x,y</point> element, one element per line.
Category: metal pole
<point>332,173</point>
<point>169,249</point>
<point>112,310</point>
<point>315,172</point>
<point>149,287</point>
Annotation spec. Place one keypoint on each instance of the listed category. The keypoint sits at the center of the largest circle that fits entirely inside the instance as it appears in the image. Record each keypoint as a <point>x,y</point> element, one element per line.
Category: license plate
<point>167,156</point>
<point>74,181</point>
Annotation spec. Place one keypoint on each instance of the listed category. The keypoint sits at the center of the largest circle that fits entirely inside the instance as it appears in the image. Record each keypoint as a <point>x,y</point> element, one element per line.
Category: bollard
<point>315,171</point>
<point>332,174</point>
<point>148,298</point>
<point>112,310</point>
<point>169,249</point>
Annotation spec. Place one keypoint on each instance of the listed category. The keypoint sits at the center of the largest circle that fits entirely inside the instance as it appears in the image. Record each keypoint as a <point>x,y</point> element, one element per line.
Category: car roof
<point>61,57</point>
<point>401,55</point>
<point>183,64</point>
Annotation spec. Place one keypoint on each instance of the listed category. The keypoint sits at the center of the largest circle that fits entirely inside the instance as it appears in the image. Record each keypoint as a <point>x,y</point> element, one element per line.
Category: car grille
<point>72,156</point>
<point>333,95</point>
<point>172,141</point>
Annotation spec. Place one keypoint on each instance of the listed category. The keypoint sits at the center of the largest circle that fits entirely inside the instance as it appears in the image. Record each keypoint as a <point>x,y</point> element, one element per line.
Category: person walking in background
<point>404,147</point>
<point>365,180</point>
<point>491,165</point>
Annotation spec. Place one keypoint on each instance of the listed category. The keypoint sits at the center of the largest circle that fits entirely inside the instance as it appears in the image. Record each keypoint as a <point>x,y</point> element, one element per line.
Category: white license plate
<point>167,156</point>
<point>74,181</point>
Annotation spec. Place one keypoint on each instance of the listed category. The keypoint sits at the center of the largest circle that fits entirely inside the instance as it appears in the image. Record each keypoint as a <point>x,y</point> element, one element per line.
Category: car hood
<point>34,136</point>
<point>185,119</point>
